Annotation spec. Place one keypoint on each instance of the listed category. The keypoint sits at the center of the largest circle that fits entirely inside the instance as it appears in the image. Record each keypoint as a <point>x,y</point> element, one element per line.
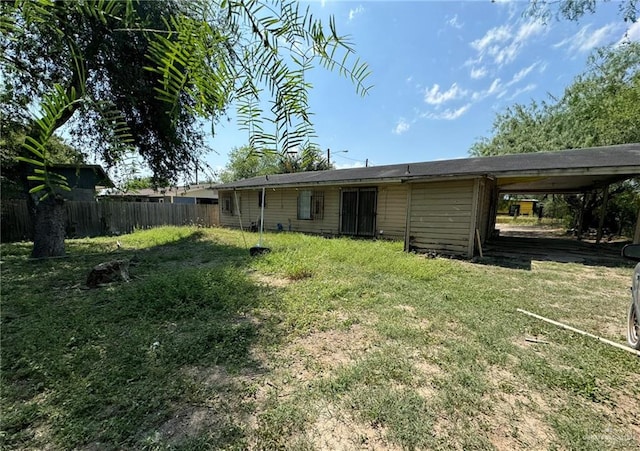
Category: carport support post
<point>581,215</point>
<point>603,212</point>
<point>636,236</point>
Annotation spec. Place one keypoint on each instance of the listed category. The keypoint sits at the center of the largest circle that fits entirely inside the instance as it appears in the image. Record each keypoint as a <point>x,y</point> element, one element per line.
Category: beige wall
<point>282,208</point>
<point>441,216</point>
<point>391,218</point>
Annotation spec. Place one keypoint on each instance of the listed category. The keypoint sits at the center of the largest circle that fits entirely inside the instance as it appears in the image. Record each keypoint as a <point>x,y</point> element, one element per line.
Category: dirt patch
<point>517,417</point>
<point>187,422</point>
<point>220,405</point>
<point>622,412</point>
<point>337,430</point>
<point>271,280</point>
<point>310,358</point>
<point>331,349</point>
<point>536,342</point>
<point>207,376</point>
<point>531,231</point>
<point>406,308</point>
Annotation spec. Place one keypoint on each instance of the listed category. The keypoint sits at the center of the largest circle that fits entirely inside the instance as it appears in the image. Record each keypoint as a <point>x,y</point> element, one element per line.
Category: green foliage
<point>575,9</point>
<point>601,107</point>
<point>140,74</point>
<point>237,50</point>
<point>53,107</point>
<point>11,146</point>
<point>244,162</point>
<point>310,158</point>
<point>620,217</point>
<point>138,183</point>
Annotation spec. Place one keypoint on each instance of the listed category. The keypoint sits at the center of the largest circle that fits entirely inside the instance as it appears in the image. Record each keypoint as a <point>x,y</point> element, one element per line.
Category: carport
<point>583,172</point>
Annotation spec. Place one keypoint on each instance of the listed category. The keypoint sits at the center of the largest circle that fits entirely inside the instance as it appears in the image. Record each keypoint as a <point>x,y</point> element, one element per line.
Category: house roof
<point>560,171</point>
<point>79,173</point>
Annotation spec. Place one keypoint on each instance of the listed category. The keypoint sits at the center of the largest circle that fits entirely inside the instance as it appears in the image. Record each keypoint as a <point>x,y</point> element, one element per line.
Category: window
<point>304,205</point>
<point>261,199</point>
<point>227,205</point>
<point>310,205</point>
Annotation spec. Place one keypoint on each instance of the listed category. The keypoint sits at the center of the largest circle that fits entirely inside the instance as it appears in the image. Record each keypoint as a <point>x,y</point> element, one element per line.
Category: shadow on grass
<point>519,252</point>
<point>165,359</point>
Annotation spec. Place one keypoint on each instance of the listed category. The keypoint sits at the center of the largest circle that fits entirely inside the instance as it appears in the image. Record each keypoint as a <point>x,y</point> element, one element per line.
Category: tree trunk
<point>49,229</point>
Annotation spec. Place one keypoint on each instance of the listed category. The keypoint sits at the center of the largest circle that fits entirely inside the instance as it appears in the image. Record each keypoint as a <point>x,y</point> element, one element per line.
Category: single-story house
<point>445,206</point>
<point>83,179</point>
<point>190,194</point>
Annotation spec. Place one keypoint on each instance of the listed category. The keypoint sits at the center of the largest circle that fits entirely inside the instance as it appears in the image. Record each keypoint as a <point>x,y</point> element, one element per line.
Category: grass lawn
<point>321,344</point>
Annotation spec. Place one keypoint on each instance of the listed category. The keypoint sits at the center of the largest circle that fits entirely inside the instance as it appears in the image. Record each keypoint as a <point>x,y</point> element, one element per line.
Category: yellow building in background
<point>521,207</point>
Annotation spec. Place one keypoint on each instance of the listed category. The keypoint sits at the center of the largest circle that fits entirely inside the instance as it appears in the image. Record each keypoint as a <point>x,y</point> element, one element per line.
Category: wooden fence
<point>109,218</point>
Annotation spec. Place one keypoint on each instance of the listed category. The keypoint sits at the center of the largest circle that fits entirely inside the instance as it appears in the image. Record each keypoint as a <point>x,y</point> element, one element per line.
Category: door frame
<point>374,213</point>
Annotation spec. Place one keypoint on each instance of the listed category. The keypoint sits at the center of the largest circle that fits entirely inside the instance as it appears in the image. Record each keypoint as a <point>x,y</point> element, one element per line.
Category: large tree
<point>309,158</point>
<point>245,162</point>
<point>128,75</point>
<point>601,107</point>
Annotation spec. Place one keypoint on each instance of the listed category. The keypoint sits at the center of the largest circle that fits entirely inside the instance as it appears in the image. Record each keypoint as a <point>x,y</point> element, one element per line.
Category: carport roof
<point>561,171</point>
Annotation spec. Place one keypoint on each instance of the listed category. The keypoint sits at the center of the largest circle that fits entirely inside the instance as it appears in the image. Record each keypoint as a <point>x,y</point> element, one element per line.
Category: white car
<point>632,251</point>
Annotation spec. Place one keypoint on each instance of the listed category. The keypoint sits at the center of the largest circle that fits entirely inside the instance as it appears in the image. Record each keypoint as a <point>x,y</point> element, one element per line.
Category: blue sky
<point>440,73</point>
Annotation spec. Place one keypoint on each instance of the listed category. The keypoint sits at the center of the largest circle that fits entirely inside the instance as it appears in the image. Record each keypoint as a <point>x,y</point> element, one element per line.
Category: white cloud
<point>529,87</point>
<point>355,164</point>
<point>529,30</point>
<point>353,13</point>
<point>543,67</point>
<point>585,39</point>
<point>493,36</point>
<point>401,127</point>
<point>521,74</point>
<point>448,114</point>
<point>478,73</point>
<point>495,89</point>
<point>454,23</point>
<point>495,86</point>
<point>434,96</point>
<point>455,114</point>
<point>504,43</point>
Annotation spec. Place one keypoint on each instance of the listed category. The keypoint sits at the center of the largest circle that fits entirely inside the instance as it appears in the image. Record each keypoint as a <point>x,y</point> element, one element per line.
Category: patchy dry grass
<point>321,344</point>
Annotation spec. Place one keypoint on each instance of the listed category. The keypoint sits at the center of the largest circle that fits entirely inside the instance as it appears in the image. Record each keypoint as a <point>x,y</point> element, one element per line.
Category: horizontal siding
<point>391,218</point>
<point>439,247</point>
<point>440,216</point>
<point>281,207</point>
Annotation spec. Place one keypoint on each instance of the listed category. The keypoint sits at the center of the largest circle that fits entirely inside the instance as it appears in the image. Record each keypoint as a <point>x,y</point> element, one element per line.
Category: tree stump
<point>109,272</point>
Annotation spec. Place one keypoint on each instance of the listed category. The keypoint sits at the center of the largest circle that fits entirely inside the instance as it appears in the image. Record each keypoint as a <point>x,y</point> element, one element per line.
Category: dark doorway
<point>358,212</point>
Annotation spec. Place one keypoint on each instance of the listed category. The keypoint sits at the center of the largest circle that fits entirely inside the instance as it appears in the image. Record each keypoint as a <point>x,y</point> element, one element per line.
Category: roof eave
<point>353,182</point>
